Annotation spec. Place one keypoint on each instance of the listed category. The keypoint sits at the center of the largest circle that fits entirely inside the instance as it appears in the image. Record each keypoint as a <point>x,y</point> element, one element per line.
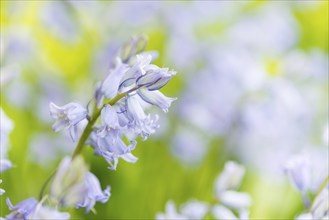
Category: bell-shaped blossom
<point>94,192</point>
<point>236,200</point>
<point>68,188</point>
<point>156,98</point>
<point>230,178</point>
<point>170,213</point>
<point>155,79</point>
<point>298,169</point>
<point>67,116</point>
<point>110,85</point>
<point>112,147</point>
<point>141,123</point>
<point>32,209</point>
<point>109,119</point>
<point>22,210</point>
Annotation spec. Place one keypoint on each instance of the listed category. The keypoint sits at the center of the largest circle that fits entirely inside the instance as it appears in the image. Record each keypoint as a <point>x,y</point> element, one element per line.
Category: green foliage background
<point>139,190</point>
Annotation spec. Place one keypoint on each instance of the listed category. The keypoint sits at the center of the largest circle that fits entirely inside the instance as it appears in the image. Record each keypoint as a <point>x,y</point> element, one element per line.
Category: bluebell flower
<point>110,85</point>
<point>68,188</point>
<point>109,120</point>
<point>155,78</point>
<point>194,209</point>
<point>221,212</point>
<point>112,147</point>
<point>94,192</point>
<point>236,200</point>
<point>156,98</point>
<point>142,124</point>
<point>298,169</point>
<point>230,178</point>
<point>170,213</point>
<point>22,210</point>
<point>67,116</point>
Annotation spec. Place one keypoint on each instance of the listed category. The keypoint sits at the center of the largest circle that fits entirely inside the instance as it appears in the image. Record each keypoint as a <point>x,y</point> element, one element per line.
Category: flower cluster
<point>111,128</point>
<point>229,201</point>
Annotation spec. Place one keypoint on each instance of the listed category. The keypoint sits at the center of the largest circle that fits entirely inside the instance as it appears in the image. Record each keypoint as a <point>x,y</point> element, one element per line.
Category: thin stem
<point>89,127</point>
<point>45,184</point>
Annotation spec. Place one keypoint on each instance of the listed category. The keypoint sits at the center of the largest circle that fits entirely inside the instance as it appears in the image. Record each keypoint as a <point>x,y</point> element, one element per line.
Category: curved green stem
<point>93,119</point>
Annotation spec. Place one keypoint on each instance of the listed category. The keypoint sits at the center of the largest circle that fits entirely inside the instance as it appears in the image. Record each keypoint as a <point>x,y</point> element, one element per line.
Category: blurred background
<point>252,86</point>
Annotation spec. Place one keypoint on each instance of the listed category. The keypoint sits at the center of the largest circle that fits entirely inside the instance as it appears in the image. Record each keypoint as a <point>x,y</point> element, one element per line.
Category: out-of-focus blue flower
<point>236,200</point>
<point>189,146</point>
<point>22,210</point>
<point>230,178</point>
<point>194,209</point>
<point>68,188</point>
<point>170,213</point>
<point>298,169</point>
<point>223,213</point>
<point>94,192</point>
<point>67,116</point>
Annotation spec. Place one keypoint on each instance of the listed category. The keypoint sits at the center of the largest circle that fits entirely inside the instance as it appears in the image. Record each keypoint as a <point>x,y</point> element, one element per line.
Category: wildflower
<point>155,79</point>
<point>67,116</point>
<point>94,192</point>
<point>235,200</point>
<point>110,85</point>
<point>141,123</point>
<point>230,178</point>
<point>156,98</point>
<point>170,213</point>
<point>32,209</point>
<point>22,210</point>
<point>223,213</point>
<point>110,120</point>
<point>194,209</point>
<point>112,147</point>
<point>298,169</point>
<point>67,188</point>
